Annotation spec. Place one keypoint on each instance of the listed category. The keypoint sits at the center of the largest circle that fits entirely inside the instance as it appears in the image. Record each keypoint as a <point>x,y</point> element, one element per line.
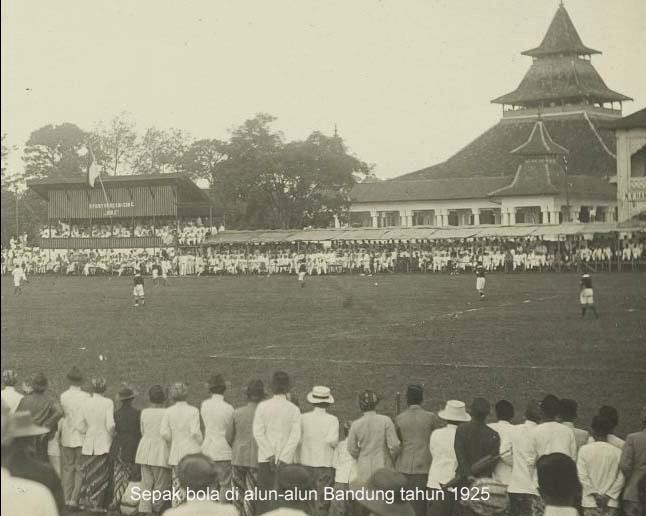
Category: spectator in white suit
<point>72,400</point>
<point>97,426</point>
<point>217,416</point>
<point>319,437</point>
<point>277,431</point>
<point>180,427</point>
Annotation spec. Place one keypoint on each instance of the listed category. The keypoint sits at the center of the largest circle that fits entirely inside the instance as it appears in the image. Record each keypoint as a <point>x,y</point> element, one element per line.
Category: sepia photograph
<point>323,258</point>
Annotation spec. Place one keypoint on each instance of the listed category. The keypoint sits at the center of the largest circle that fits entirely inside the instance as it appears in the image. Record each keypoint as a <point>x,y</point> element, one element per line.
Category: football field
<point>524,340</point>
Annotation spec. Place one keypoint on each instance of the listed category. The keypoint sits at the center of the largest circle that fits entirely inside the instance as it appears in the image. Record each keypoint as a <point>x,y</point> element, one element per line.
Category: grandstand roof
<point>411,233</point>
<point>190,191</point>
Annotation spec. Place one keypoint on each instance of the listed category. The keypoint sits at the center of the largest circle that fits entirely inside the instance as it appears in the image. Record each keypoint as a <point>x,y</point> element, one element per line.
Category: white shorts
<point>587,296</point>
<point>480,283</point>
<point>301,276</point>
<point>138,291</point>
<point>155,273</point>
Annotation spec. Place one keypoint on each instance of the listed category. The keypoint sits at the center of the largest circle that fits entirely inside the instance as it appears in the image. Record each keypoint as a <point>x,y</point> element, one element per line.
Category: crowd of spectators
<point>184,232</point>
<point>76,451</point>
<point>439,256</point>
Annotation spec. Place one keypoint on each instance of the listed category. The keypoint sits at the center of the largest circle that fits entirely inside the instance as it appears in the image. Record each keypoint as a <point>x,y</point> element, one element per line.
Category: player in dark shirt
<point>138,290</point>
<point>586,297</point>
<point>480,279</point>
<point>302,270</point>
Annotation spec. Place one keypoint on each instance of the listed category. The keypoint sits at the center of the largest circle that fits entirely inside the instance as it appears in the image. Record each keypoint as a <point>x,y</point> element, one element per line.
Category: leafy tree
<point>267,183</point>
<point>114,145</point>
<point>160,151</point>
<point>53,151</point>
<point>203,159</point>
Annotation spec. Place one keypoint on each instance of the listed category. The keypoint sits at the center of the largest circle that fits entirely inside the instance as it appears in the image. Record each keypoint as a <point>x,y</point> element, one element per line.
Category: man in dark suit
<point>633,466</point>
<point>475,440</point>
<point>414,427</point>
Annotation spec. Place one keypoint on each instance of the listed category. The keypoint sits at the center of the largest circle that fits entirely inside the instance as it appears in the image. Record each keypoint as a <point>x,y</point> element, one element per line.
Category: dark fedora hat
<point>126,393</point>
<point>74,375</point>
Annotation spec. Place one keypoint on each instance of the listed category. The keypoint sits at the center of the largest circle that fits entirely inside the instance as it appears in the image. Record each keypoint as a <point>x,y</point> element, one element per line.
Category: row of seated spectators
<point>187,232</point>
<point>508,255</point>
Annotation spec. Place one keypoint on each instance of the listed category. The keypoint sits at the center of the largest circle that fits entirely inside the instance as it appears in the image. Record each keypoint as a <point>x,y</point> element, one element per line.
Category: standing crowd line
<point>451,256</point>
<point>77,452</point>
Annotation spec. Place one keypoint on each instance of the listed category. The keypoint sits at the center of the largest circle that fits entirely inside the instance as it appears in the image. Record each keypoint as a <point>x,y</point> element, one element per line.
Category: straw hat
<point>320,394</point>
<point>454,410</point>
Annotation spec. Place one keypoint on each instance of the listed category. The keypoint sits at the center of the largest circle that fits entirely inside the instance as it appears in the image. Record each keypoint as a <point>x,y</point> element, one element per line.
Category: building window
<point>424,218</point>
<point>389,219</point>
<point>453,218</point>
<point>360,219</point>
<point>487,217</point>
<point>584,214</point>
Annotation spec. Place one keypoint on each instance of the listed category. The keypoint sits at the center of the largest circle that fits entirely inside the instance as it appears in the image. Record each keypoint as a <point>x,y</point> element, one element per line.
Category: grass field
<point>350,332</point>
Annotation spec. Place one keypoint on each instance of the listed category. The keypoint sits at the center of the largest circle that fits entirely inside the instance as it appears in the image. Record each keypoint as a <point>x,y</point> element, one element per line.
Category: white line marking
<point>433,364</point>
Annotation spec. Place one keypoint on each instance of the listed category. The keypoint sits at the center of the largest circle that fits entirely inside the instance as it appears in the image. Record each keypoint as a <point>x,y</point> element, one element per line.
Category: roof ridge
<point>594,130</point>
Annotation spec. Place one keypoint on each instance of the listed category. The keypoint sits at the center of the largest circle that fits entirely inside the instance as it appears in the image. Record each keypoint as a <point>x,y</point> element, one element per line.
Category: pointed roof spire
<point>561,38</point>
<point>540,143</point>
<point>336,132</point>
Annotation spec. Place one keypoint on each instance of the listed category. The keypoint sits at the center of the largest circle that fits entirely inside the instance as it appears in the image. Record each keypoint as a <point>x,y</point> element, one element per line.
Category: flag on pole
<point>93,171</point>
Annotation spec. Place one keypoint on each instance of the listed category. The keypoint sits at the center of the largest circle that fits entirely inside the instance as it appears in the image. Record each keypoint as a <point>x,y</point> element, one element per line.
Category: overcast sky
<point>408,82</point>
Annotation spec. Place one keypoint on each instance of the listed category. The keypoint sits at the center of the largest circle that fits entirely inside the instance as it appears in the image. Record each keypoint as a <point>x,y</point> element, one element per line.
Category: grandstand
<point>125,212</point>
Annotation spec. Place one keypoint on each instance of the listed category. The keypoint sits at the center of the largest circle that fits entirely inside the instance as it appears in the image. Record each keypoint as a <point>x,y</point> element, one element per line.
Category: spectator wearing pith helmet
<point>9,393</point>
<point>180,427</point>
<point>372,440</point>
<point>44,410</point>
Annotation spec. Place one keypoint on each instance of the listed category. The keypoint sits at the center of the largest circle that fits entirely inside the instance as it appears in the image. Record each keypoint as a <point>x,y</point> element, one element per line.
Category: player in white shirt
<point>19,277</point>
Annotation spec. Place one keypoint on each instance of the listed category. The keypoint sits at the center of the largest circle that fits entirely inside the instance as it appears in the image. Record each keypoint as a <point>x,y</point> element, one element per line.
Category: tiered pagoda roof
<point>561,38</point>
<point>560,73</point>
<point>542,171</point>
